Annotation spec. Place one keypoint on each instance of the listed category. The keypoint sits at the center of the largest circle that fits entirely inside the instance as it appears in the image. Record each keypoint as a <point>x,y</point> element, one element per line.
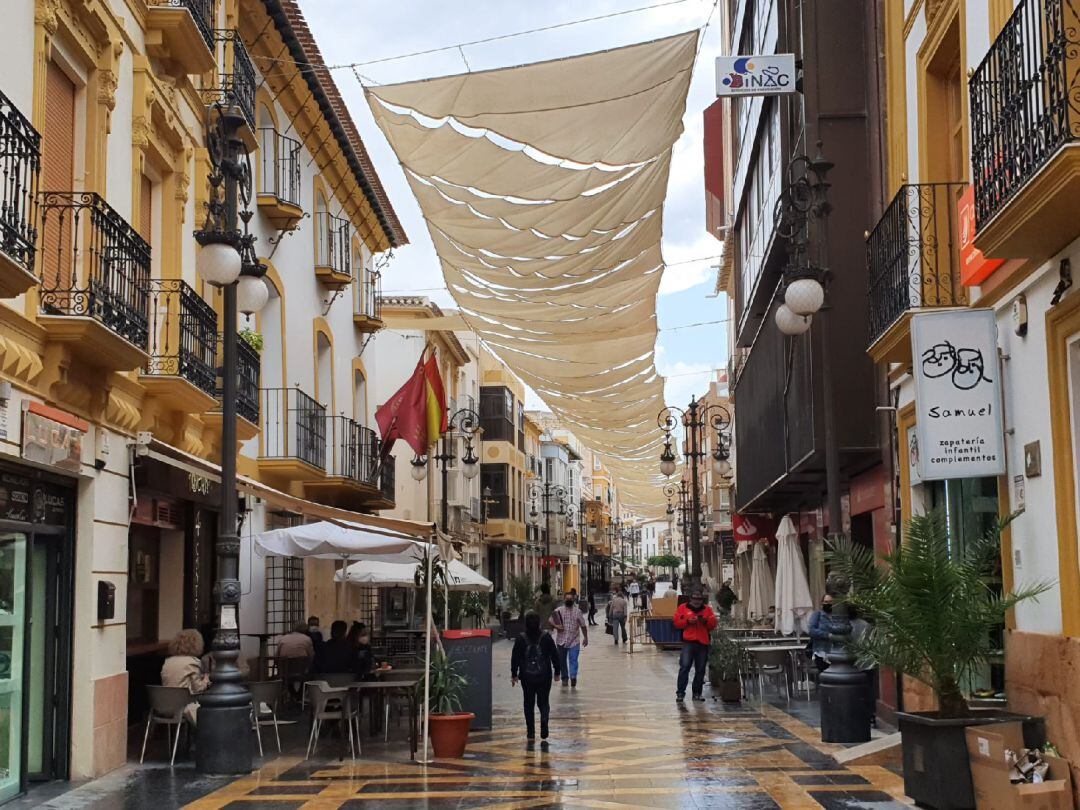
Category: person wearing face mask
<point>569,623</point>
<point>697,621</point>
<point>820,628</point>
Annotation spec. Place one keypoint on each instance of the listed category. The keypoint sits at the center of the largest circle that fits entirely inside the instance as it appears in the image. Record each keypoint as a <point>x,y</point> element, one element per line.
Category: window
<point>284,596</point>
<point>497,413</point>
<point>496,478</point>
<point>521,427</point>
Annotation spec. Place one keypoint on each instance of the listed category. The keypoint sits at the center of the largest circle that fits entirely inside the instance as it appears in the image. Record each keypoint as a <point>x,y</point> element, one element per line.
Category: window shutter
<point>58,174</point>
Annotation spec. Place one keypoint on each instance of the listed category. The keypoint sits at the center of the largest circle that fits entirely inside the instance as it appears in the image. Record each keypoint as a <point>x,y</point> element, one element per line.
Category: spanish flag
<point>436,400</point>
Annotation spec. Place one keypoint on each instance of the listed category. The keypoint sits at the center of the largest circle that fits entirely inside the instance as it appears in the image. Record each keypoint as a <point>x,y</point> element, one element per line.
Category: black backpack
<point>533,668</point>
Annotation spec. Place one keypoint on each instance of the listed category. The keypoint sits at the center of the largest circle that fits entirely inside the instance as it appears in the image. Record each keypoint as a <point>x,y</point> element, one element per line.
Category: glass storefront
<point>12,640</point>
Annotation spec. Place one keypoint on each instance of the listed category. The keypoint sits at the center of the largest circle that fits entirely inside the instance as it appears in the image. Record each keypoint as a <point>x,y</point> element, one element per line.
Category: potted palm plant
<point>932,615</point>
<point>724,659</point>
<point>448,725</point>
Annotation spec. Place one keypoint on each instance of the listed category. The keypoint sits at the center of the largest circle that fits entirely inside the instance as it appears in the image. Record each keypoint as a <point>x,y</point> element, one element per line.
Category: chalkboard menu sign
<point>29,501</point>
<point>472,648</point>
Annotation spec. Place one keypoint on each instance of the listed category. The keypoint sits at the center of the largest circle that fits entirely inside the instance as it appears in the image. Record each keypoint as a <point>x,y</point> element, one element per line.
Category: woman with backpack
<point>535,662</point>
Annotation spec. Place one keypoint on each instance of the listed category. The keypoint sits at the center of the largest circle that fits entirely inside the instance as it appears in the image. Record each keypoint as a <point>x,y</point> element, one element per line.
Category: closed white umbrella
<point>792,594</point>
<point>379,573</point>
<point>743,575</point>
<point>762,584</point>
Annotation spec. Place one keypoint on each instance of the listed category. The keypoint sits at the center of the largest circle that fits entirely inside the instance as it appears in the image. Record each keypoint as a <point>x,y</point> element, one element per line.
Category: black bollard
<point>845,715</point>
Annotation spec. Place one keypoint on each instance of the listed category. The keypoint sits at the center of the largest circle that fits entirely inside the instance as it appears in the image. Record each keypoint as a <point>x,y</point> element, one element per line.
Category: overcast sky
<point>363,30</point>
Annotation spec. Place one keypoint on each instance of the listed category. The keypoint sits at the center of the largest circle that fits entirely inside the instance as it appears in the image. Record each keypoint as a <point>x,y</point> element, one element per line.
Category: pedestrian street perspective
<point>671,403</point>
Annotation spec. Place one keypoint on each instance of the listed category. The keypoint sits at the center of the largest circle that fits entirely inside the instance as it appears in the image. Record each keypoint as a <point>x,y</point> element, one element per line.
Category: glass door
<point>12,637</point>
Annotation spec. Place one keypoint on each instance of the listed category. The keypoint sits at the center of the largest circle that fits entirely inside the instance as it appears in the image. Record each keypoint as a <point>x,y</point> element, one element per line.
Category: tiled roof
<point>293,28</point>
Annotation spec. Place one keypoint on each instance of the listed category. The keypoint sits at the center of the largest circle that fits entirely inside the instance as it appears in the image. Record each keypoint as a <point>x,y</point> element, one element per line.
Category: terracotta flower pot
<point>449,733</point>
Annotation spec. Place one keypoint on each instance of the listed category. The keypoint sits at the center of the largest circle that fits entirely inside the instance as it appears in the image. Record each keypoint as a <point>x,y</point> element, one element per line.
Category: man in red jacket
<point>696,620</point>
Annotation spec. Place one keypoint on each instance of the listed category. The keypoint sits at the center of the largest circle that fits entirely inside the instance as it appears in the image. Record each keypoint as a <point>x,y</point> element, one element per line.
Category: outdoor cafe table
<point>380,689</point>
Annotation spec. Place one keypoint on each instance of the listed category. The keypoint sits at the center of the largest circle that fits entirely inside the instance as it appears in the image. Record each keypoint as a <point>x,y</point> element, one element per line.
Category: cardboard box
<point>990,772</point>
<point>665,607</point>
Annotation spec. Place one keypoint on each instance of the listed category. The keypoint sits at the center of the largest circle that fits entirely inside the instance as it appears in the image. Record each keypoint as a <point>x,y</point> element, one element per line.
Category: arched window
<point>273,353</point>
<point>267,152</point>
<point>359,397</point>
<point>324,372</point>
<point>322,232</point>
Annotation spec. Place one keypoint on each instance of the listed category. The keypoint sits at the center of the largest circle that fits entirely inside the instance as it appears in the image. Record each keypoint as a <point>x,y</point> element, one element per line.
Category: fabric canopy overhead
<point>543,188</point>
<point>402,574</point>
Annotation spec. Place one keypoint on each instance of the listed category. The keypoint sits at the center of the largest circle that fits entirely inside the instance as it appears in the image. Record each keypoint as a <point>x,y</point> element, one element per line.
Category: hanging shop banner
<point>764,75</point>
<point>975,268</point>
<point>54,437</point>
<point>957,394</point>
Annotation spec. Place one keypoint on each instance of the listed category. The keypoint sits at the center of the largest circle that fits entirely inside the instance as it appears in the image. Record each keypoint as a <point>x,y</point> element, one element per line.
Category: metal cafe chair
<point>167,704</point>
<point>329,703</point>
<point>268,693</point>
<point>771,665</point>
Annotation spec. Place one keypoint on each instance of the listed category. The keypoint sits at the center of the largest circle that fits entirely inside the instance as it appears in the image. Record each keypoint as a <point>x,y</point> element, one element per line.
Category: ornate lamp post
<point>546,493</point>
<point>695,419</point>
<point>227,260</point>
<point>465,422</point>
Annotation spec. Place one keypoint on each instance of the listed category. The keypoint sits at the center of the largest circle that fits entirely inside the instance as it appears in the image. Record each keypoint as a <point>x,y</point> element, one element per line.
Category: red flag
<point>404,415</point>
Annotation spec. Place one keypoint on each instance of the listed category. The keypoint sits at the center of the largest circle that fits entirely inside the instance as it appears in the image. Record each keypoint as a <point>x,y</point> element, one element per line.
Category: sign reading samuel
<point>957,394</point>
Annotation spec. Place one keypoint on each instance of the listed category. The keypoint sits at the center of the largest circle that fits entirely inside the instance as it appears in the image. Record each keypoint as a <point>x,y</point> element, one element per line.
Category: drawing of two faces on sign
<point>965,366</point>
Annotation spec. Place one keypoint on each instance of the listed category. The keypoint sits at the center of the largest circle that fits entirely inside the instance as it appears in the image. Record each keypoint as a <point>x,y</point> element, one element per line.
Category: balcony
<point>912,259</point>
<point>182,32</point>
<point>1025,119</point>
<point>294,437</point>
<point>367,303</point>
<point>95,275</point>
<point>333,250</point>
<point>20,165</point>
<point>248,363</point>
<point>235,84</point>
<point>351,477</point>
<point>387,482</point>
<point>279,188</point>
<point>183,347</point>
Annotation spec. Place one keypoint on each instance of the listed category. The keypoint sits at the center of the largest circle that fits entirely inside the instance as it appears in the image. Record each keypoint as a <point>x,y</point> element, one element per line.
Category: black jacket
<point>547,651</point>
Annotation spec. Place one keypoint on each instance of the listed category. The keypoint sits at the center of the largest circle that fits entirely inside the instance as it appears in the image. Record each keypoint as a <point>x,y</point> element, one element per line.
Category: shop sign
<point>53,437</point>
<point>957,394</point>
<point>761,75</point>
<point>29,501</point>
<point>975,268</point>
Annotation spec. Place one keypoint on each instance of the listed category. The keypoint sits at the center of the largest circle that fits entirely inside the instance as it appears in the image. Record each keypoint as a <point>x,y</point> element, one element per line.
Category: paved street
<point>618,741</point>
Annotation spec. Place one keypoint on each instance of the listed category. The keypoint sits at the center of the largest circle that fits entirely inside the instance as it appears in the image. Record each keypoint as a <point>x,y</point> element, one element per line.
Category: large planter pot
<point>936,769</point>
<point>449,733</point>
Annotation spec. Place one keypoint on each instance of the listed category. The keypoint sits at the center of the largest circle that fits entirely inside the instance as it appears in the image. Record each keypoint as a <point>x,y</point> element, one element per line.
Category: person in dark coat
<point>535,662</point>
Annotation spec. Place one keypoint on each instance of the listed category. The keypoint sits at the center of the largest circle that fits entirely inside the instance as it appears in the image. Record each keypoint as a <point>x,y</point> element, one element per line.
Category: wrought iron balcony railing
<point>248,363</point>
<point>280,158</point>
<point>202,11</point>
<point>911,255</point>
<point>20,166</point>
<point>352,450</point>
<point>368,297</point>
<point>93,263</point>
<point>293,426</point>
<point>1025,100</point>
<point>236,80</point>
<point>388,478</point>
<point>333,237</point>
<point>183,335</point>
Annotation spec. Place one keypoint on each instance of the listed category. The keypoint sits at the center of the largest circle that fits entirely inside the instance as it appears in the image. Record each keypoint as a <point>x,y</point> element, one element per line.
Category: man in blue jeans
<point>696,621</point>
<point>569,623</point>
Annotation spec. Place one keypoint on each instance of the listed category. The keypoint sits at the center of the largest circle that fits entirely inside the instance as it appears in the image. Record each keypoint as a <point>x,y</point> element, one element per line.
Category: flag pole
<point>424,759</point>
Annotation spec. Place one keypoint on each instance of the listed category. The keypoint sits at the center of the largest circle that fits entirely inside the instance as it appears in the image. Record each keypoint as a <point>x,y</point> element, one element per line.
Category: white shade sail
<point>792,595</point>
<point>326,540</point>
<point>403,574</point>
<point>543,189</point>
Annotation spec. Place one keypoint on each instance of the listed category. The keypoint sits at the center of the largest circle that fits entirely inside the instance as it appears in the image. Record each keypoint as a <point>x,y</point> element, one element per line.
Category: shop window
<point>142,596</point>
<point>284,596</point>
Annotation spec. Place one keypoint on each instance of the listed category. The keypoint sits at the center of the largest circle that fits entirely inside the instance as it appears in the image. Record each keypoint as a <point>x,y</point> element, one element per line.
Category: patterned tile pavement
<point>618,741</point>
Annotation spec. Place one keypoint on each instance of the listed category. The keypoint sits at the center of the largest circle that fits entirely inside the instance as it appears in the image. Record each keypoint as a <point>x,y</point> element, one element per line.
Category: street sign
<point>957,394</point>
<point>764,75</point>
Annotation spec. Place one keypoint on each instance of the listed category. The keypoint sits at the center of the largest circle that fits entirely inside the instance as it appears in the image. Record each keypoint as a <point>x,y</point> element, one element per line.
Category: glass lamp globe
<point>667,467</point>
<point>723,468</point>
<point>470,468</point>
<point>534,517</point>
<point>419,470</point>
<point>218,264</point>
<point>804,296</point>
<point>251,294</point>
<point>789,323</point>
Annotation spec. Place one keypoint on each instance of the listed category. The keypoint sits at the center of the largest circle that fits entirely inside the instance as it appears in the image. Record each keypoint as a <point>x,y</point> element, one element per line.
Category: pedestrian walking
<point>726,598</point>
<point>500,609</point>
<point>544,605</point>
<point>635,592</point>
<point>696,620</point>
<point>592,609</point>
<point>532,661</point>
<point>616,614</point>
<point>569,623</point>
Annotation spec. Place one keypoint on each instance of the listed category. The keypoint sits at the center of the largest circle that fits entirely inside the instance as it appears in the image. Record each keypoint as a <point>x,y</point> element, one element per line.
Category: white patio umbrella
<point>792,595</point>
<point>743,575</point>
<point>383,574</point>
<point>762,584</point>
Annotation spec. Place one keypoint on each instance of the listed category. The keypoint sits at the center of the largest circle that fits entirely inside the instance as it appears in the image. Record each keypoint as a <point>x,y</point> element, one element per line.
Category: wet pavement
<point>618,741</point>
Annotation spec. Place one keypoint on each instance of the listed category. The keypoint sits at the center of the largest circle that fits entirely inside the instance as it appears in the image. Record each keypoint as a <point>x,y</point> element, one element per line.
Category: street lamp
<point>695,419</point>
<point>227,260</point>
<point>545,493</point>
<point>465,421</point>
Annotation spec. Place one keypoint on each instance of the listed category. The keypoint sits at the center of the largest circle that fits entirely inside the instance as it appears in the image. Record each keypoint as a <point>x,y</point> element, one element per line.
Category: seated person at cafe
<point>365,656</point>
<point>184,669</point>
<point>338,654</point>
<point>297,644</point>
